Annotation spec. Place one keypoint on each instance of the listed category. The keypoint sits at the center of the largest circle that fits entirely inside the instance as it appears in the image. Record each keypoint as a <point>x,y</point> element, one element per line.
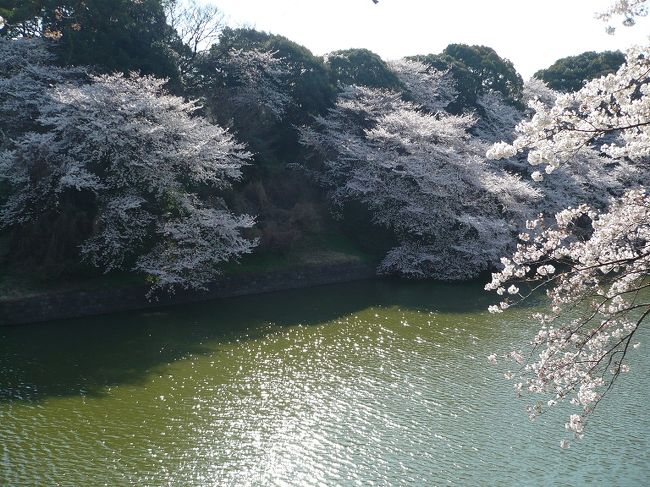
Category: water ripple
<point>385,395</point>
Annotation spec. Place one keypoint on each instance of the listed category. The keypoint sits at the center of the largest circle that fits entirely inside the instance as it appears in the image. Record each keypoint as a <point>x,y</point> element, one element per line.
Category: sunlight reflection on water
<point>376,382</point>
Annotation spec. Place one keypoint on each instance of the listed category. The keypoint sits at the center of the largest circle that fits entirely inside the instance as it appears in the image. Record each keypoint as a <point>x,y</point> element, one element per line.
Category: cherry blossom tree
<point>27,71</point>
<point>590,175</point>
<point>142,166</point>
<point>592,262</point>
<point>421,174</point>
<point>242,88</point>
<point>430,88</point>
<point>496,118</point>
<point>594,266</point>
<point>255,81</point>
<point>614,105</point>
<point>628,9</point>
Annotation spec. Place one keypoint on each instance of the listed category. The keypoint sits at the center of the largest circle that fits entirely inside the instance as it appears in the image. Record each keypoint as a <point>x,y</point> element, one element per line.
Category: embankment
<point>76,304</point>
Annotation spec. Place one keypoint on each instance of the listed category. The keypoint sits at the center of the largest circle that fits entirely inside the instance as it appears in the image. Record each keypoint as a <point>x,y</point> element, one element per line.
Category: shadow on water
<point>84,356</point>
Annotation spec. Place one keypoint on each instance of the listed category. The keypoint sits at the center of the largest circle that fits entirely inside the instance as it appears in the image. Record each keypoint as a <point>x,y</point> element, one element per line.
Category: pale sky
<point>531,33</point>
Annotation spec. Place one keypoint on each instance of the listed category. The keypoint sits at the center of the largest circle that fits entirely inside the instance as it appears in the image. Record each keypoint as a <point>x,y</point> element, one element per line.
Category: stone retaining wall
<point>77,304</point>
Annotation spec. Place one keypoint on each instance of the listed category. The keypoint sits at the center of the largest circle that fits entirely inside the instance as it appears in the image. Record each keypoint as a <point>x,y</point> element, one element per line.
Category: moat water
<point>368,383</point>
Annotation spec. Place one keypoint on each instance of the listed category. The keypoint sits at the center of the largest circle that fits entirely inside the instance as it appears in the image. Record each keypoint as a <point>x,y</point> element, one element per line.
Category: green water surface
<point>368,383</point>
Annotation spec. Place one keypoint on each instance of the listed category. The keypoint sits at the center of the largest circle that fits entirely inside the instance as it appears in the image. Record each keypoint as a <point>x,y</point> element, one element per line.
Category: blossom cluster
<point>260,80</point>
<point>593,265</point>
<point>422,174</point>
<point>592,259</point>
<point>144,165</point>
<point>27,72</point>
<point>628,9</point>
<point>610,113</point>
<point>430,88</point>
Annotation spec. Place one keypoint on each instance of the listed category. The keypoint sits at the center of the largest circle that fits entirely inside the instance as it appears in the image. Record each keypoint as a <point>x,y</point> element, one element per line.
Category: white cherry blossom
<point>138,158</point>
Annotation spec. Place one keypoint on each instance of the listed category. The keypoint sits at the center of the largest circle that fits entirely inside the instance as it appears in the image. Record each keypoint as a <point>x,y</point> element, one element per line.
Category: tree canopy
<point>476,70</point>
<point>361,67</point>
<point>492,71</point>
<point>311,87</point>
<point>572,72</point>
<point>120,35</point>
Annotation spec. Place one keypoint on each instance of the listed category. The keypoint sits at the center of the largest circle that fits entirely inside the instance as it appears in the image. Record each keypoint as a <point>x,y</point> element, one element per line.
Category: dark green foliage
<point>476,69</point>
<point>307,83</point>
<point>110,35</point>
<point>21,17</point>
<point>467,84</point>
<point>570,73</point>
<point>51,243</point>
<point>361,67</point>
<point>493,72</point>
<point>289,206</point>
<point>356,223</point>
<point>311,87</point>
